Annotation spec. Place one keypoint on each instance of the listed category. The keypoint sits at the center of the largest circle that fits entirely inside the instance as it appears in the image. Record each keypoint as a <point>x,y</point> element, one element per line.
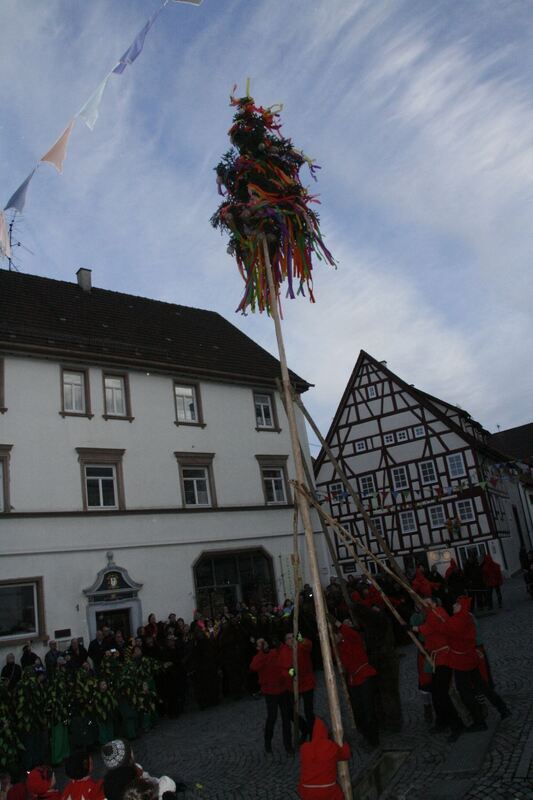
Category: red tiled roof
<point>57,318</point>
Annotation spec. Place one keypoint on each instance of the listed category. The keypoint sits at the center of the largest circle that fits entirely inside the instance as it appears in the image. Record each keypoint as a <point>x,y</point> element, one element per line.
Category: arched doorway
<point>233,576</point>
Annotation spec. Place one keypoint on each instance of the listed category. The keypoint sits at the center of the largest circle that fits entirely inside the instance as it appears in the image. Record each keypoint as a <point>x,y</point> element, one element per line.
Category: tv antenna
<point>14,242</point>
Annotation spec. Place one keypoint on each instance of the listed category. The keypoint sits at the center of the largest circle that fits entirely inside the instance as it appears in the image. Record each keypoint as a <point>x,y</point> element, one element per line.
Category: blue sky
<point>420,114</point>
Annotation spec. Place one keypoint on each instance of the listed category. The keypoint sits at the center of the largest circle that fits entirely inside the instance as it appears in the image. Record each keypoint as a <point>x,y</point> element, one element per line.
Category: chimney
<point>84,279</point>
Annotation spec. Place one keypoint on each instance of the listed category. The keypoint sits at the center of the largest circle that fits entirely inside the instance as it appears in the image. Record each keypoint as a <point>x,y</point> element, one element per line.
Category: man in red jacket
<point>360,679</point>
<point>492,578</point>
<point>318,766</point>
<point>266,664</point>
<point>306,678</point>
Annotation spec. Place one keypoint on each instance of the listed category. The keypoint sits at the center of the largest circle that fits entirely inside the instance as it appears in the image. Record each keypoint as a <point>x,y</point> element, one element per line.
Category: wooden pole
<point>303,506</point>
<point>342,676</point>
<point>348,486</point>
<point>327,537</point>
<point>295,623</point>
<point>350,539</point>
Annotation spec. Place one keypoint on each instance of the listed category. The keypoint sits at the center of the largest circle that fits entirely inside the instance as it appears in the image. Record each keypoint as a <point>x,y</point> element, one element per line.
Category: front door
<point>118,619</point>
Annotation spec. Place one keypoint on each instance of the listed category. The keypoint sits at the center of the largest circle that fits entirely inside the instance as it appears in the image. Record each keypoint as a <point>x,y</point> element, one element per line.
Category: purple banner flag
<point>18,198</point>
<point>135,48</point>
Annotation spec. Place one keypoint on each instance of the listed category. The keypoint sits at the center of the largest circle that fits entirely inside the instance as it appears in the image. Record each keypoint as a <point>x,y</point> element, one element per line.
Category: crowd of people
<point>81,698</point>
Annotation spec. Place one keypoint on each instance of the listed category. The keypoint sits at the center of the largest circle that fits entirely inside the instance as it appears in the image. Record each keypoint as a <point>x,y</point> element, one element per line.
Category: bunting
<point>89,112</point>
<point>18,198</point>
<point>57,153</point>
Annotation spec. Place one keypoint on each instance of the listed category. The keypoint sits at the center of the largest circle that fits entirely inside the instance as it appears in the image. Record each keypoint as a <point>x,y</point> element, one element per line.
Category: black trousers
<point>362,698</point>
<point>302,723</point>
<point>273,703</point>
<point>490,590</point>
<point>445,713</point>
<point>469,684</point>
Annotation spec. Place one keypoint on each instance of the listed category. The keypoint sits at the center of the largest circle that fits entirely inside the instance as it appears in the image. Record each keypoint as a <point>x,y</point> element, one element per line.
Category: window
<point>456,465</point>
<point>196,479</point>
<point>465,510</point>
<point>336,491</point>
<point>265,412</point>
<point>401,436</point>
<point>419,432</point>
<point>399,478</point>
<point>274,479</point>
<point>436,516</point>
<point>75,392</point>
<point>3,408</point>
<point>427,472</point>
<point>117,397</point>
<point>102,480</point>
<point>188,408</point>
<point>21,609</point>
<point>371,392</point>
<point>360,446</point>
<point>388,438</point>
<point>366,485</point>
<point>407,522</point>
<point>378,525</point>
<point>5,450</point>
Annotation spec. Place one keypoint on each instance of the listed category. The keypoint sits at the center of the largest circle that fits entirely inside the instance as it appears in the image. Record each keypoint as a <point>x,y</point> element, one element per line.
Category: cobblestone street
<point>219,753</point>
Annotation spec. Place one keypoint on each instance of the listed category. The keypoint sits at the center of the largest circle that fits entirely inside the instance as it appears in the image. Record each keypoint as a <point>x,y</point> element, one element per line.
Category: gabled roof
<point>425,399</point>
<point>58,319</point>
<point>515,442</point>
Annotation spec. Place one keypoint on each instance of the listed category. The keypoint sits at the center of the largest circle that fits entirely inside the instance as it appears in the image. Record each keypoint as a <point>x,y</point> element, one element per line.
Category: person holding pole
<point>306,678</point>
<point>318,765</point>
<point>360,677</point>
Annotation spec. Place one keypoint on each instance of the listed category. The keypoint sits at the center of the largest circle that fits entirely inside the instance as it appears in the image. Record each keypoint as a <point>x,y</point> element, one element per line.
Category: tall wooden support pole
<point>327,536</point>
<point>295,626</point>
<point>303,506</point>
<point>349,488</point>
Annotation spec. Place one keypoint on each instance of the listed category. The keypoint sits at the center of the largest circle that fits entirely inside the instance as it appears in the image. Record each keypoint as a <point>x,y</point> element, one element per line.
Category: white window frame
<point>68,388</point>
<point>378,523</point>
<point>388,438</point>
<point>434,522</point>
<point>360,446</point>
<point>184,415</point>
<point>371,392</point>
<point>404,515</point>
<point>99,458</point>
<point>36,584</point>
<point>425,481</point>
<point>405,484</point>
<point>402,436</point>
<point>364,492</point>
<point>265,400</point>
<point>274,485</point>
<point>101,506</point>
<point>450,459</point>
<point>195,482</point>
<point>419,431</point>
<point>462,505</point>
<point>5,453</point>
<point>335,492</point>
<point>113,407</point>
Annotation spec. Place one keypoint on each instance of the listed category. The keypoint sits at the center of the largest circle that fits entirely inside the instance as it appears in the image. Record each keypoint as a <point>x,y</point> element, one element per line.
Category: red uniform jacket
<point>353,657</point>
<point>306,676</point>
<point>492,572</point>
<point>269,672</point>
<point>84,789</point>
<point>318,766</point>
<point>451,569</point>
<point>421,584</point>
<point>460,631</point>
<point>435,638</point>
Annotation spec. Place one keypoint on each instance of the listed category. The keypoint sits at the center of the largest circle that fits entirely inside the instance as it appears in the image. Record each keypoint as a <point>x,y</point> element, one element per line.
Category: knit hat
<point>39,780</point>
<point>116,753</point>
<point>166,784</point>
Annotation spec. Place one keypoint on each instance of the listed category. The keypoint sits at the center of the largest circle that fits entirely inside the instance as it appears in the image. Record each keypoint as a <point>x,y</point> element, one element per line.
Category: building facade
<point>144,462</point>
<point>425,472</point>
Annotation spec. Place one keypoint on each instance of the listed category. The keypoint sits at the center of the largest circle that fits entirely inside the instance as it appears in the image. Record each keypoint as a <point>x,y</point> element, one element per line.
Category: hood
<point>465,603</point>
<point>320,730</point>
<point>453,563</point>
<point>488,559</point>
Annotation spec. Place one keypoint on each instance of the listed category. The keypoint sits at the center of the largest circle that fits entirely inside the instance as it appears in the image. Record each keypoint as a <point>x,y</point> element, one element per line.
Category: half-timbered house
<point>424,470</point>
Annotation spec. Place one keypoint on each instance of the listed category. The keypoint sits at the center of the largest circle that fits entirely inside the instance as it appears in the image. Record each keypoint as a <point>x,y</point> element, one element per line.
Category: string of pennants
<point>416,498</point>
<point>89,114</point>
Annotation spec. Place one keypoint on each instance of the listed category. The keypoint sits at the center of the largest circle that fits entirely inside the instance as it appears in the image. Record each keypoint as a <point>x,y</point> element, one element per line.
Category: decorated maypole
<point>273,235</point>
